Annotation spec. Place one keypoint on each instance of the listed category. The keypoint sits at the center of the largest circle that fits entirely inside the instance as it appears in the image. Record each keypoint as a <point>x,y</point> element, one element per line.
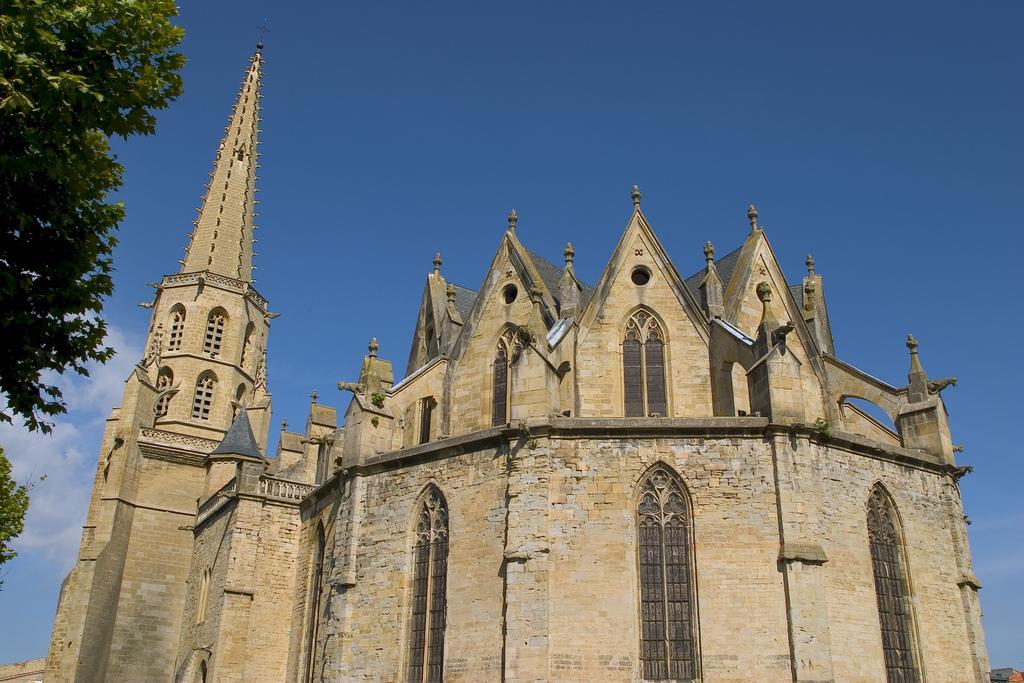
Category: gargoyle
<point>780,333</point>
<point>937,385</point>
<point>959,472</point>
<point>354,387</point>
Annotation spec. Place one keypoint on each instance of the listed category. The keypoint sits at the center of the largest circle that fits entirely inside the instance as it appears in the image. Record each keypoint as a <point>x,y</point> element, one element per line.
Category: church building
<point>654,477</point>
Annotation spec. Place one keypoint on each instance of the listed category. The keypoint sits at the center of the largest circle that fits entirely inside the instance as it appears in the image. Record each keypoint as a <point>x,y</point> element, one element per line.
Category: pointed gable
<point>638,285</point>
<point>757,263</point>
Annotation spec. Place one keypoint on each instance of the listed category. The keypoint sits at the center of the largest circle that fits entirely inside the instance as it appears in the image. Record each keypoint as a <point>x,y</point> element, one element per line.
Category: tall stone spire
<point>222,241</point>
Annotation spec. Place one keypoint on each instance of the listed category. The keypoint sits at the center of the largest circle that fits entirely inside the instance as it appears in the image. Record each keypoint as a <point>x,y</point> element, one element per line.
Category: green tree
<point>13,506</point>
<point>73,73</point>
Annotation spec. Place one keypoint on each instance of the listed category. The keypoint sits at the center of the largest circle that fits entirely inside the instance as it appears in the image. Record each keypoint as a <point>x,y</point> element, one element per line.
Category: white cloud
<point>68,455</point>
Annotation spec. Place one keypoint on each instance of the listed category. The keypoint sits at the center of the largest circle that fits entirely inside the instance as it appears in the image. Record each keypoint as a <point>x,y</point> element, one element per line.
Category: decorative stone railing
<point>282,489</point>
<point>222,280</point>
<point>160,437</point>
<point>214,501</point>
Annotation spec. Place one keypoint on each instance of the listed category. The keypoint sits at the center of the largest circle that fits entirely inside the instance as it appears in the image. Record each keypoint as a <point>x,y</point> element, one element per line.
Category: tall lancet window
<point>891,589</point>
<point>215,332</point>
<point>163,383</point>
<point>643,366</point>
<point>314,601</point>
<point>667,616</point>
<point>510,346</point>
<point>177,328</point>
<point>202,402</point>
<point>429,589</point>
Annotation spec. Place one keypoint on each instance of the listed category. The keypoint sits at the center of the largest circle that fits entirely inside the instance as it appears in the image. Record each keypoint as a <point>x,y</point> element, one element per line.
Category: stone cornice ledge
<point>862,445</point>
<point>627,428</point>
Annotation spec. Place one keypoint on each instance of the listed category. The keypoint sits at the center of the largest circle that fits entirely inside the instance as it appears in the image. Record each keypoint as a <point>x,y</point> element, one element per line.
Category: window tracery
<point>214,332</point>
<point>667,617</point>
<point>429,589</point>
<point>891,590</point>
<point>643,366</point>
<point>203,399</point>
<point>177,330</point>
<point>510,348</point>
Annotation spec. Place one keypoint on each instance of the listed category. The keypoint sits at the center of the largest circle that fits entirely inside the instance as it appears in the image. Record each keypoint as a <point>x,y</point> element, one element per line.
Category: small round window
<point>509,293</point>
<point>640,276</point>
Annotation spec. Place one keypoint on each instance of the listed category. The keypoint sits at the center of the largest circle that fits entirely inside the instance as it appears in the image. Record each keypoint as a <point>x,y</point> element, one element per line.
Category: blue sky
<point>884,138</point>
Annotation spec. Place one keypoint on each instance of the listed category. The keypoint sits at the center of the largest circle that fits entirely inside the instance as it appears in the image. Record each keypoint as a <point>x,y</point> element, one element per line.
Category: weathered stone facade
<point>656,474</point>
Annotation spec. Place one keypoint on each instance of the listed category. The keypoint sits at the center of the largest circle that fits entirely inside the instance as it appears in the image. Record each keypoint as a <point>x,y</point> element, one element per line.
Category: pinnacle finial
<point>284,425</point>
<point>752,217</point>
<point>915,361</point>
<point>635,196</point>
<point>764,292</point>
<point>314,396</point>
<point>437,263</point>
<point>373,346</point>
<point>513,218</point>
<point>569,253</point>
<point>709,252</point>
<point>810,265</point>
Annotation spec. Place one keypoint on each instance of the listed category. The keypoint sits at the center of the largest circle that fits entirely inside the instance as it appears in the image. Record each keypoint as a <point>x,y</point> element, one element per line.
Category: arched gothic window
<point>163,382</point>
<point>314,600</point>
<point>247,344</point>
<point>214,332</point>
<point>177,331</point>
<point>643,367</point>
<point>667,616</point>
<point>891,589</point>
<point>429,589</point>
<point>510,346</point>
<point>203,399</point>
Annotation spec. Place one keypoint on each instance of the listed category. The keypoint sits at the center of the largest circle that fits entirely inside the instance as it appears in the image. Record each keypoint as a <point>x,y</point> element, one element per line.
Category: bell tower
<point>119,613</point>
<point>209,322</point>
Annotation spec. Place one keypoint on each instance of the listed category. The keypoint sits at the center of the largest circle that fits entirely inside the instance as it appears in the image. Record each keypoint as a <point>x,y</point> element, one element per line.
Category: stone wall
<point>542,574</point>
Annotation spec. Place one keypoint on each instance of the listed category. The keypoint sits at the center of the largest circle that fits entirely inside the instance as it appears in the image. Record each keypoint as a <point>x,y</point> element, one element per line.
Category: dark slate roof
<point>552,275</point>
<point>798,294</point>
<point>239,440</point>
<point>464,300</point>
<point>724,266</point>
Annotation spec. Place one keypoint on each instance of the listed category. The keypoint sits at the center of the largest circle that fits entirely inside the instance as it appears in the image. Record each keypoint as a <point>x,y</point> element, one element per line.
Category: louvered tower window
<point>667,617</point>
<point>429,586</point>
<point>163,383</point>
<point>314,601</point>
<point>643,367</point>
<point>203,400</point>
<point>177,328</point>
<point>214,332</point>
<point>889,569</point>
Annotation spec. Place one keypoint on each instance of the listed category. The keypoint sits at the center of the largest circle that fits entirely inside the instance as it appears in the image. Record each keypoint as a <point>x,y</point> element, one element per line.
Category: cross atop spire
<point>264,29</point>
<point>222,241</point>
